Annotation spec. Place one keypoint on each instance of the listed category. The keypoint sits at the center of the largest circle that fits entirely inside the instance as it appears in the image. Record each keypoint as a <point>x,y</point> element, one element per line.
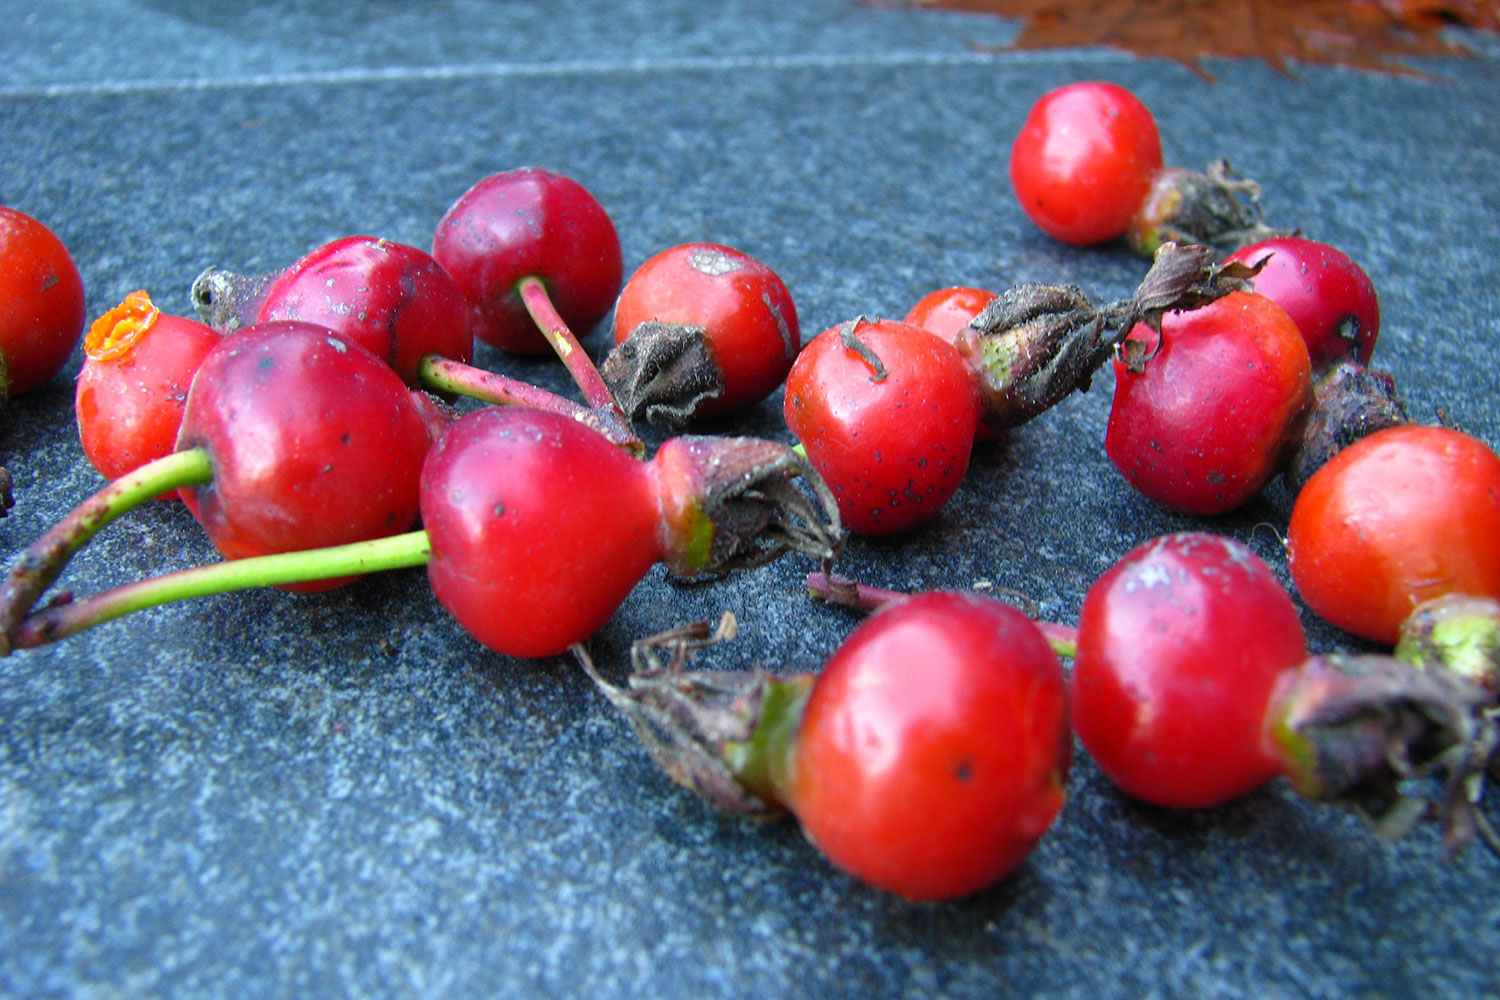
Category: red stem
<point>585,375</point>
<point>446,375</point>
<point>862,597</point>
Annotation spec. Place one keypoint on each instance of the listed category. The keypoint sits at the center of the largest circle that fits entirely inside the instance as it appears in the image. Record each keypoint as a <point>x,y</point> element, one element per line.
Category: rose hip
<point>390,298</point>
<point>1087,168</point>
<point>927,757</point>
<point>529,223</point>
<point>1180,645</point>
<point>1402,516</point>
<point>41,303</point>
<point>946,311</point>
<point>540,527</point>
<point>701,330</point>
<point>138,364</point>
<point>537,258</point>
<point>1204,415</point>
<point>292,438</point>
<point>312,441</point>
<point>1084,160</point>
<point>1192,686</point>
<point>1327,295</point>
<point>887,414</point>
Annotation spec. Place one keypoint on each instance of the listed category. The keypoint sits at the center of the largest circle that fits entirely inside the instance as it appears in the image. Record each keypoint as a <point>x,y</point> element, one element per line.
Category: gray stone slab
<point>266,795</point>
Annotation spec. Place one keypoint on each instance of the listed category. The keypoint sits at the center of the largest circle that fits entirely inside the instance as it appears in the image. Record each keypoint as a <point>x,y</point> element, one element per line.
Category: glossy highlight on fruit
<point>1400,517</point>
<point>1084,160</point>
<point>1180,646</point>
<point>41,303</point>
<point>1207,419</point>
<point>529,222</point>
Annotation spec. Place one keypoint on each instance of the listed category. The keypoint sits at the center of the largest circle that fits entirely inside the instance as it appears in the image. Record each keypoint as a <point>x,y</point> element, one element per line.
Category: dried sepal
<point>1389,741</point>
<point>686,720</point>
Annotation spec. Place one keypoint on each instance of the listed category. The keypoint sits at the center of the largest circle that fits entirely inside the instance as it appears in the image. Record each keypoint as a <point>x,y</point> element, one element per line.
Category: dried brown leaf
<point>1363,34</point>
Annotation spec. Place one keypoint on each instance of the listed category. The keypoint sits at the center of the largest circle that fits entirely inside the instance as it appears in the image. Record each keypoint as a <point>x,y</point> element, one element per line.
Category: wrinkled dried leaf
<point>1364,34</point>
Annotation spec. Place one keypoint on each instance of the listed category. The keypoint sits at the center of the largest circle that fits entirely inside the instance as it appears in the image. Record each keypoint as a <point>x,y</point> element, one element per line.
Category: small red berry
<point>1397,518</point>
<point>1203,424</point>
<point>1180,646</point>
<point>887,414</point>
<point>702,329</point>
<point>313,441</point>
<point>138,365</point>
<point>1084,160</point>
<point>1327,295</point>
<point>529,223</point>
<point>540,526</point>
<point>390,298</point>
<point>946,311</point>
<point>41,303</point>
<point>934,749</point>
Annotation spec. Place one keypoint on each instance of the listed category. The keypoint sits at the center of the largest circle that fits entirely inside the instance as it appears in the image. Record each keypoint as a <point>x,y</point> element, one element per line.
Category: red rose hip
<point>1180,647</point>
<point>701,330</point>
<point>934,749</point>
<point>138,365</point>
<point>1203,424</point>
<point>41,303</point>
<point>887,414</point>
<point>1403,516</point>
<point>529,223</point>
<point>390,298</point>
<point>1327,295</point>
<point>1084,160</point>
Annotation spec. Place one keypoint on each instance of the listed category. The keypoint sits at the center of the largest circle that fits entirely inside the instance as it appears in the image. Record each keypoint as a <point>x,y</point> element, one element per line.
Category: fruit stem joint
<point>733,503</point>
<point>1387,740</point>
<point>725,735</point>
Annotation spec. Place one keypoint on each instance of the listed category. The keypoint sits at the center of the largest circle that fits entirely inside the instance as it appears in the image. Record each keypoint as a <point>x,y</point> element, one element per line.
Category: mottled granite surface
<point>264,795</point>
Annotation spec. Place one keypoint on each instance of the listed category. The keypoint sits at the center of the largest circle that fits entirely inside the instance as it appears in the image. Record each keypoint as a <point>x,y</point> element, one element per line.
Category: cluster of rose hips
<point>309,423</point>
<point>309,440</point>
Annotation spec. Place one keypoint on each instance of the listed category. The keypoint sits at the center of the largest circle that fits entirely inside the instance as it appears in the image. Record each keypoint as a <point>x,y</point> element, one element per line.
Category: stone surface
<point>264,795</point>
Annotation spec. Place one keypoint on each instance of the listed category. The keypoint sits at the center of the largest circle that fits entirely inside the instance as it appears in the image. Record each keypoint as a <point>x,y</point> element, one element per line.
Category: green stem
<point>62,620</point>
<point>446,375</point>
<point>42,562</point>
<point>585,375</point>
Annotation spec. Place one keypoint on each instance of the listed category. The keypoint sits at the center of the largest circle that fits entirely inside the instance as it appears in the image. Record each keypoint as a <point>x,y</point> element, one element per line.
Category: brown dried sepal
<point>735,502</point>
<point>1350,401</point>
<point>662,372</point>
<point>1372,733</point>
<point>1217,207</point>
<point>1035,344</point>
<point>686,720</point>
